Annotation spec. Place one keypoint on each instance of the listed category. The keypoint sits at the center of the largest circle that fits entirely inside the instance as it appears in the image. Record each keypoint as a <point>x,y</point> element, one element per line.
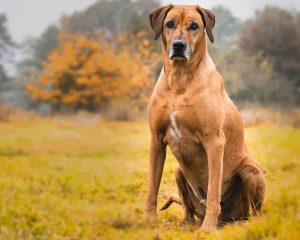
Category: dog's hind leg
<point>186,195</point>
<point>254,183</point>
<point>235,202</point>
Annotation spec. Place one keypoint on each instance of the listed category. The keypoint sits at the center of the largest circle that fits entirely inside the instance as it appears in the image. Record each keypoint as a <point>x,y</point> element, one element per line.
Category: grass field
<point>61,179</point>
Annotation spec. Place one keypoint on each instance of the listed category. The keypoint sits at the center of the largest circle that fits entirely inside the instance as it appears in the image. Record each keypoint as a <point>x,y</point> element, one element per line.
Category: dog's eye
<point>194,26</point>
<point>170,24</point>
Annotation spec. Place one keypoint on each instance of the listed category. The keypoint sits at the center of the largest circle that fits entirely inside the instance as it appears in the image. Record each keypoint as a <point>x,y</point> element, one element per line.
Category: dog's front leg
<point>215,150</point>
<point>157,160</point>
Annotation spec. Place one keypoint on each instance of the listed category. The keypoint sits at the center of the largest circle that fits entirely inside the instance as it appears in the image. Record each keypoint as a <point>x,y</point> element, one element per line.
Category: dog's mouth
<point>179,55</point>
<point>178,58</point>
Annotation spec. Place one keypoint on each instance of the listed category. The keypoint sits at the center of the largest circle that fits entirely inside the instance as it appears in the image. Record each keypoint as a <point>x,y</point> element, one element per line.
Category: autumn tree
<point>106,22</point>
<point>83,74</point>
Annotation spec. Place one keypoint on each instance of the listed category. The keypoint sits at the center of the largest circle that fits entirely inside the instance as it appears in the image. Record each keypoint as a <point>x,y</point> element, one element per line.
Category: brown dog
<point>191,112</point>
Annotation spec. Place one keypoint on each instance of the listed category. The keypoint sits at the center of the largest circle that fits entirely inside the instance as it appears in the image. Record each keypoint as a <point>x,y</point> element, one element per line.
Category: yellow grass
<point>61,179</point>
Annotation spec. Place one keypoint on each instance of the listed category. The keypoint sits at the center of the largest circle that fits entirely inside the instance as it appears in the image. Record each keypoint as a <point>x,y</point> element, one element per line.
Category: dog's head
<point>182,28</point>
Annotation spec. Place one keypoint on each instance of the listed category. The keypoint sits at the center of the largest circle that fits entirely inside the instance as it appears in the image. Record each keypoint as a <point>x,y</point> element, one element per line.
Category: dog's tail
<point>172,198</point>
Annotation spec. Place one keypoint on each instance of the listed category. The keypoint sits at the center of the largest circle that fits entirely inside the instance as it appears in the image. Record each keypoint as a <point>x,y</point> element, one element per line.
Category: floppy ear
<point>209,20</point>
<point>157,18</point>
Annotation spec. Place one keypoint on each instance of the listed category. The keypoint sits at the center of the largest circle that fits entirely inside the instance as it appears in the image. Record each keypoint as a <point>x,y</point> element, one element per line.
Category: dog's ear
<point>157,18</point>
<point>209,20</point>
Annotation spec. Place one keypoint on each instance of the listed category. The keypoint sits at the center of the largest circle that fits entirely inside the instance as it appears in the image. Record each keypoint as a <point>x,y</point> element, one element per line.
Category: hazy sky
<point>30,17</point>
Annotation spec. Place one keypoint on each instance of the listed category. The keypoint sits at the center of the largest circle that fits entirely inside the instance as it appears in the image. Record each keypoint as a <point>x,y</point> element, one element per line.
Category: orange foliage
<point>83,74</point>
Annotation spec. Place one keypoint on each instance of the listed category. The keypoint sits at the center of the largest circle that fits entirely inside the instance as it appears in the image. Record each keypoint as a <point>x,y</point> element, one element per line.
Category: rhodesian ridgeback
<point>190,111</point>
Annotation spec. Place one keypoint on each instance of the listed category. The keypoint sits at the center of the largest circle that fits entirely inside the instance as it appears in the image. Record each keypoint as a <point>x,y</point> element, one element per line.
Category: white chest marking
<point>174,129</point>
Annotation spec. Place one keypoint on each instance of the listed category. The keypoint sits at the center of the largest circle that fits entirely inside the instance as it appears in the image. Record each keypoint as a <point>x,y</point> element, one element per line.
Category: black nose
<point>179,45</point>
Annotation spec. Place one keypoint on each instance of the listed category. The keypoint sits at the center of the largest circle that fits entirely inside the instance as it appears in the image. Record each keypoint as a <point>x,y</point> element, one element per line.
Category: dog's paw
<point>208,226</point>
<point>151,215</point>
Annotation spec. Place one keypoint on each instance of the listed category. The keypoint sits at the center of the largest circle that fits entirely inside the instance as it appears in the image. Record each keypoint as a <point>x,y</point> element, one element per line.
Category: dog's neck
<point>179,74</point>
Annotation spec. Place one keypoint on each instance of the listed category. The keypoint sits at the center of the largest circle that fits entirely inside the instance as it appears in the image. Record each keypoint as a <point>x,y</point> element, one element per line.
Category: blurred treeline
<point>104,59</point>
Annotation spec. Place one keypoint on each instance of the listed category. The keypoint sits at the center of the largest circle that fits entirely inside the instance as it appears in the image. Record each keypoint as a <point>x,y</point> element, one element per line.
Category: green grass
<point>63,180</point>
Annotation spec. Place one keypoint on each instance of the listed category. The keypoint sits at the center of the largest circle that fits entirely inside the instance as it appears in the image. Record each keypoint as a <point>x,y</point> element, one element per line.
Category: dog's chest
<point>181,124</point>
<point>179,116</point>
<point>182,131</point>
<point>183,109</point>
